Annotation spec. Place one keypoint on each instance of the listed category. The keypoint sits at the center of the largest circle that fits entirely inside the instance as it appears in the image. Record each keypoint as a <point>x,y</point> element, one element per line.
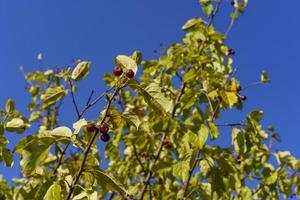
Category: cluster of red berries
<point>103,129</point>
<point>118,71</point>
<point>231,52</point>
<point>167,144</point>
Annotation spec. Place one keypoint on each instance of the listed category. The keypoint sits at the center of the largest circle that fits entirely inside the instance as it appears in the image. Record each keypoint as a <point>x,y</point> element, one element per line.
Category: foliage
<point>161,126</point>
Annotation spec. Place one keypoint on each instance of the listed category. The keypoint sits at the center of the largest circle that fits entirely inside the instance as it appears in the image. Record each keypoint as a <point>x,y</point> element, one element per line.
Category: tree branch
<point>73,99</point>
<point>191,171</point>
<point>86,152</point>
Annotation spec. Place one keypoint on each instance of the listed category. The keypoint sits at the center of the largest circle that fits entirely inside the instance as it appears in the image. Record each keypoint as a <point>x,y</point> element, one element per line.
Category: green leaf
<point>214,131</point>
<point>52,95</point>
<point>106,179</point>
<point>231,98</point>
<point>62,131</point>
<point>77,126</point>
<point>202,135</point>
<point>264,77</point>
<point>34,153</point>
<point>126,62</point>
<point>154,97</point>
<point>81,70</point>
<point>8,157</point>
<point>86,196</point>
<point>53,192</point>
<point>192,24</point>
<point>181,170</point>
<point>256,115</point>
<point>137,57</point>
<point>207,9</point>
<point>271,179</point>
<point>238,139</point>
<point>132,119</point>
<point>16,125</point>
<point>9,106</point>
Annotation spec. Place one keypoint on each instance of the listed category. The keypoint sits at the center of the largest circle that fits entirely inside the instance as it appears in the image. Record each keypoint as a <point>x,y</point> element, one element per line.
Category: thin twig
<point>87,150</point>
<point>90,104</point>
<point>60,159</point>
<point>73,99</point>
<point>230,124</point>
<point>229,27</point>
<point>252,84</point>
<point>214,13</point>
<point>138,159</point>
<point>191,171</point>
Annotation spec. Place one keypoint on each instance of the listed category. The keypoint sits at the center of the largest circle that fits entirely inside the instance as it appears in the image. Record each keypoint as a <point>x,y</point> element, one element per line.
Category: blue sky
<point>266,37</point>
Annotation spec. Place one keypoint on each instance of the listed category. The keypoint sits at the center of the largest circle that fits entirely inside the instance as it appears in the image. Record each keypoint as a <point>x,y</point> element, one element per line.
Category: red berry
<point>129,73</point>
<point>105,137</point>
<point>231,52</point>
<point>118,71</point>
<point>90,127</point>
<point>103,128</point>
<point>243,98</point>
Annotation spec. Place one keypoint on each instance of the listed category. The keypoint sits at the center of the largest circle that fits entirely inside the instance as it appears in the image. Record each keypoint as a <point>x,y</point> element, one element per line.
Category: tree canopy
<point>160,119</point>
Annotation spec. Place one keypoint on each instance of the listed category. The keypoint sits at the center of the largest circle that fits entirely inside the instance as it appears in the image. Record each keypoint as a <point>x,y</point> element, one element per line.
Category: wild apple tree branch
<point>86,152</point>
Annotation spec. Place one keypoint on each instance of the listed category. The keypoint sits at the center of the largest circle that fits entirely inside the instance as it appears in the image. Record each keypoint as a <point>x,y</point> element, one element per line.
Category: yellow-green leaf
<point>53,193</point>
<point>52,95</point>
<point>81,70</point>
<point>126,62</point>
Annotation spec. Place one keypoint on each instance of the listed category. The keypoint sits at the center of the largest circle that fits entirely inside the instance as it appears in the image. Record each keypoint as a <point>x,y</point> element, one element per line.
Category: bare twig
<point>252,85</point>
<point>73,99</point>
<point>229,27</point>
<point>230,124</point>
<point>214,13</point>
<point>90,104</point>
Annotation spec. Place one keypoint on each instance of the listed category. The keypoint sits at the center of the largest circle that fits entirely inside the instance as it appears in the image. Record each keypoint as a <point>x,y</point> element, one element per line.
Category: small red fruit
<point>91,127</point>
<point>129,73</point>
<point>231,52</point>
<point>117,71</point>
<point>239,88</point>
<point>243,98</point>
<point>103,128</point>
<point>105,137</point>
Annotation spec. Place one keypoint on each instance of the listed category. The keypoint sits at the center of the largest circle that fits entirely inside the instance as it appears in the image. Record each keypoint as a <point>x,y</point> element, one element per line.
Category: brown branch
<point>138,159</point>
<point>87,150</point>
<point>60,159</point>
<point>191,171</point>
<point>73,99</point>
<point>90,104</point>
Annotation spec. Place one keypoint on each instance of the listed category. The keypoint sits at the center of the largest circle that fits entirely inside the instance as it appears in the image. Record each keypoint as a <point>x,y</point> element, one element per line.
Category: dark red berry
<point>243,98</point>
<point>105,137</point>
<point>168,145</point>
<point>103,128</point>
<point>231,52</point>
<point>91,127</point>
<point>129,73</point>
<point>118,71</point>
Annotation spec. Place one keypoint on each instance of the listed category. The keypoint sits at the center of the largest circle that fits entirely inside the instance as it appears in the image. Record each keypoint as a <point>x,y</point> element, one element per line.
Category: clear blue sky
<point>266,37</point>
